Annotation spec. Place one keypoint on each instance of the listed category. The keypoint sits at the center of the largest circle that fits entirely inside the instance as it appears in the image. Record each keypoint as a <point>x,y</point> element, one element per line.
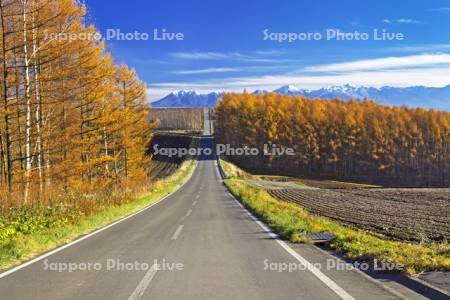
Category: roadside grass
<point>291,221</point>
<point>233,171</point>
<point>21,247</point>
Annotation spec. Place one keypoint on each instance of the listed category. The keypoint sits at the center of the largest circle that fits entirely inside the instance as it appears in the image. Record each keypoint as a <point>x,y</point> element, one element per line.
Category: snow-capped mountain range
<point>188,99</point>
<point>428,97</point>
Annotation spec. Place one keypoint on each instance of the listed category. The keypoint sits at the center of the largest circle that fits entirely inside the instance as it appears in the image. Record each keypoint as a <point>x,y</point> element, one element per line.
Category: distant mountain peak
<point>290,87</point>
<point>287,89</point>
<point>260,92</point>
<point>188,98</point>
<point>185,92</point>
<point>428,97</point>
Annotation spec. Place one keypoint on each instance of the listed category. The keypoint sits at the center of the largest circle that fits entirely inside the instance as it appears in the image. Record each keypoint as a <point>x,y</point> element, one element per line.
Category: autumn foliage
<point>344,140</point>
<point>70,118</point>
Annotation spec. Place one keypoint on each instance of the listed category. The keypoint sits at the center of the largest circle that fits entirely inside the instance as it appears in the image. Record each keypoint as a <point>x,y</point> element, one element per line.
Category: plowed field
<point>402,214</point>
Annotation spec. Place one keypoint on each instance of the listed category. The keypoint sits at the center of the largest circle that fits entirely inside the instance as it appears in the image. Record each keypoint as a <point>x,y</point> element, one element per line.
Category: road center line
<point>177,232</point>
<point>101,229</point>
<point>197,197</point>
<point>145,282</point>
<point>189,213</point>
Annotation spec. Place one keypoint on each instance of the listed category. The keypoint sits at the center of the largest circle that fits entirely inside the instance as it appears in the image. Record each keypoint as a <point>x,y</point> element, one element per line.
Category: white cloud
<point>407,21</point>
<point>206,71</point>
<point>256,56</point>
<point>154,94</point>
<point>433,77</point>
<point>431,70</point>
<point>209,55</point>
<point>401,21</point>
<point>419,48</point>
<point>270,52</point>
<point>440,9</point>
<point>383,63</point>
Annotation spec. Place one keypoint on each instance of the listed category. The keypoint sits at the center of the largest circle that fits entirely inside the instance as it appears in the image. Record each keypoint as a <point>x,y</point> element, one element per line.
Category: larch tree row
<point>69,117</point>
<point>344,140</point>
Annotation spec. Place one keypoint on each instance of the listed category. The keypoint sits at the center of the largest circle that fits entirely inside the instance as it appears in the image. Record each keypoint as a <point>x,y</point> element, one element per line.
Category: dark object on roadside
<point>320,238</point>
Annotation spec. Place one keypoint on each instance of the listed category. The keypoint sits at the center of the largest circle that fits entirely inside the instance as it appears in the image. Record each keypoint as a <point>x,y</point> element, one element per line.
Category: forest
<point>359,141</point>
<point>182,119</point>
<point>71,119</point>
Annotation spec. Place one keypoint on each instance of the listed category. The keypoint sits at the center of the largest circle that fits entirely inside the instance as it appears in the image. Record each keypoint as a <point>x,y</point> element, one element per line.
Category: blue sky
<point>225,48</point>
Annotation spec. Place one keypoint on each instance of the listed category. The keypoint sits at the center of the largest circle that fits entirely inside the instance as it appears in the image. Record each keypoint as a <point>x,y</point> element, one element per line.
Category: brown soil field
<point>400,214</point>
<point>321,184</point>
<point>329,184</point>
<point>162,166</point>
<point>160,169</point>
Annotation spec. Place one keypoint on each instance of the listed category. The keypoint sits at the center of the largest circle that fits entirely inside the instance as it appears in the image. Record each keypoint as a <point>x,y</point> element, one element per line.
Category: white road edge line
<point>189,213</point>
<point>177,232</point>
<point>41,257</point>
<point>145,282</point>
<point>389,289</point>
<point>350,266</point>
<point>218,172</point>
<point>322,277</point>
<point>316,272</point>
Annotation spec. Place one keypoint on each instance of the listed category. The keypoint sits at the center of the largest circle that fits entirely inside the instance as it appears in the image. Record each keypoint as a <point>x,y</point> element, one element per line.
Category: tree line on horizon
<point>351,140</point>
<point>71,119</point>
<point>184,119</point>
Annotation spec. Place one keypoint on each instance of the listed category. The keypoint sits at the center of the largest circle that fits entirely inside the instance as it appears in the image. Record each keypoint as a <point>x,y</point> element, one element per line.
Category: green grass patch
<point>33,233</point>
<point>291,221</point>
<point>233,171</point>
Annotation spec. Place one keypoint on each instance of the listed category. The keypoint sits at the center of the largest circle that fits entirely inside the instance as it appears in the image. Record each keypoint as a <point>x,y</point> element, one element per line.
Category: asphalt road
<point>206,247</point>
